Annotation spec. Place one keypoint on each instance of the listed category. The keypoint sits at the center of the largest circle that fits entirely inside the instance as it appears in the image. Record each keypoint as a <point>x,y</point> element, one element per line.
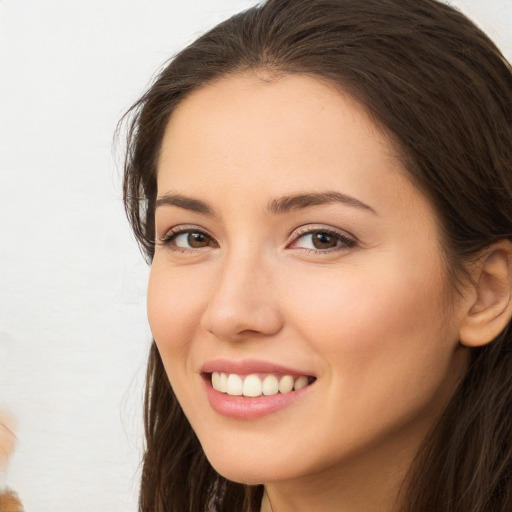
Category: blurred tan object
<point>7,439</point>
<point>9,501</point>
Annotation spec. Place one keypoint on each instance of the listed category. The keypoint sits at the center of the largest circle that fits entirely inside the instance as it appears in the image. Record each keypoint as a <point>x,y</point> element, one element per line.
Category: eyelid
<point>347,238</point>
<point>315,228</point>
<point>175,231</point>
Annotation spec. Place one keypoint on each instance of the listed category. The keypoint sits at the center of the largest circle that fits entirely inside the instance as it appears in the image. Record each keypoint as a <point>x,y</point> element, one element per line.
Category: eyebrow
<point>299,201</point>
<point>187,203</point>
<point>275,206</point>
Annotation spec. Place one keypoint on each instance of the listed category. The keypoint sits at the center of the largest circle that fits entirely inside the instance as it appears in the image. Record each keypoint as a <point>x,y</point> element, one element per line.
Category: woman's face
<point>293,248</point>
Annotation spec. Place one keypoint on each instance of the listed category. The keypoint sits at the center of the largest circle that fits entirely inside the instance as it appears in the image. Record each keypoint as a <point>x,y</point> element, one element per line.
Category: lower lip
<point>245,408</point>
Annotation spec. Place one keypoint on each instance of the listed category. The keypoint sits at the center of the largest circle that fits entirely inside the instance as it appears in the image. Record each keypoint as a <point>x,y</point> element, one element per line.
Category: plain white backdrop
<point>73,332</point>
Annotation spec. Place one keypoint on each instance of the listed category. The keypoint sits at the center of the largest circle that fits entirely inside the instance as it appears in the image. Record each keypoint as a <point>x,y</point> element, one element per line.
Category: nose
<point>243,303</point>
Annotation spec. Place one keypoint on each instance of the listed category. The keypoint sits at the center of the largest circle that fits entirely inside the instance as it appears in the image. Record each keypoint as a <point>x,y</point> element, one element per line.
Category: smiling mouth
<point>255,385</point>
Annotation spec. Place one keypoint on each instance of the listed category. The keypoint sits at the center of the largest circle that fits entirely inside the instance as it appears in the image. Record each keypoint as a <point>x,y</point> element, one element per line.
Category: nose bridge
<point>244,300</point>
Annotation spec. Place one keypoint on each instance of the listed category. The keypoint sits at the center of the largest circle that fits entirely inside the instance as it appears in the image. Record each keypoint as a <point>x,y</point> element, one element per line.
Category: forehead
<point>284,108</point>
<point>283,135</point>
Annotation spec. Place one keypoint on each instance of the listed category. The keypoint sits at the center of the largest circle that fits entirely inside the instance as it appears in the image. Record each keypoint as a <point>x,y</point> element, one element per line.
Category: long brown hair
<point>443,92</point>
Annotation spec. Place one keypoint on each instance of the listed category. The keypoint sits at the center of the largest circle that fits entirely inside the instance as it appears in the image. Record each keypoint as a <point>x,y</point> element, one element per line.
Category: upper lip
<point>248,366</point>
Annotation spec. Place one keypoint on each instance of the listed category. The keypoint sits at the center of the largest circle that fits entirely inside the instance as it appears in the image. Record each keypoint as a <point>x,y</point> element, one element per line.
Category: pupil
<point>323,241</point>
<point>197,240</point>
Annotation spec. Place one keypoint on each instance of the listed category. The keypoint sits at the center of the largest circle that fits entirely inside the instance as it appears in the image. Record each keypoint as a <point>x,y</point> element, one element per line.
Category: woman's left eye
<point>322,241</point>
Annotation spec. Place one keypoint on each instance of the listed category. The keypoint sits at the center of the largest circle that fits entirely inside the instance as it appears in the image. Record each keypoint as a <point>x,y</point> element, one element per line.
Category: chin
<point>246,470</point>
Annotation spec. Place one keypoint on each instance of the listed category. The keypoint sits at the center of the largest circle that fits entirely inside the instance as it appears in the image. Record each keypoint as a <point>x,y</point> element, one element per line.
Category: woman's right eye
<point>187,240</point>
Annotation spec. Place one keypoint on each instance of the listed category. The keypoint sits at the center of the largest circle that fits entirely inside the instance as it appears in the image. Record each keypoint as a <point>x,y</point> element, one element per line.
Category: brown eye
<point>198,240</point>
<point>323,241</point>
<point>188,240</point>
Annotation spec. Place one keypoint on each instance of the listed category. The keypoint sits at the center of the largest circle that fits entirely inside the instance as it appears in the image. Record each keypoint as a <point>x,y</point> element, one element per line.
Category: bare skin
<point>363,311</point>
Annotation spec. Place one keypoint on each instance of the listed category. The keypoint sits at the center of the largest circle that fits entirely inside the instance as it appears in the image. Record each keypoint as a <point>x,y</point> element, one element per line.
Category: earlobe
<point>490,309</point>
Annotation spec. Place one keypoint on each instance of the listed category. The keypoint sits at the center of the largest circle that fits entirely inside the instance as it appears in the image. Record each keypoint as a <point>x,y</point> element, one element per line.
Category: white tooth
<point>223,383</point>
<point>300,382</point>
<point>252,386</point>
<point>270,385</point>
<point>215,380</point>
<point>286,384</point>
<point>234,385</point>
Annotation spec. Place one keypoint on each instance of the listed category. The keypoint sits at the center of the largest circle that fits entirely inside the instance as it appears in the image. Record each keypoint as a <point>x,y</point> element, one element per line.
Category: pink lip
<point>249,366</point>
<point>245,408</point>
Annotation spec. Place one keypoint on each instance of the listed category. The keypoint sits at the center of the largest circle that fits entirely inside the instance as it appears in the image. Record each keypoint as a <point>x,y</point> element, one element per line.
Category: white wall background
<point>73,334</point>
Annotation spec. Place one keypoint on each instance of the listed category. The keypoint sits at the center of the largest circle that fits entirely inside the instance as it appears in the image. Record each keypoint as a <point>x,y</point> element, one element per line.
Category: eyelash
<point>344,242</point>
<point>168,239</point>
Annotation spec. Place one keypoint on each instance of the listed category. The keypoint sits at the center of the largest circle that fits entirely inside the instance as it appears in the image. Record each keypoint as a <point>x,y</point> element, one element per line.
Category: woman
<point>324,191</point>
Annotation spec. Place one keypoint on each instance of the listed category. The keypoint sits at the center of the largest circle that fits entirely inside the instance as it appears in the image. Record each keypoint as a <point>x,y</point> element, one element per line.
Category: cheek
<point>387,354</point>
<point>174,308</point>
<point>375,324</point>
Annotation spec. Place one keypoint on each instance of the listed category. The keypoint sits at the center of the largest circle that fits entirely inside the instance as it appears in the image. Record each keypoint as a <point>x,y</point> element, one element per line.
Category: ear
<point>490,297</point>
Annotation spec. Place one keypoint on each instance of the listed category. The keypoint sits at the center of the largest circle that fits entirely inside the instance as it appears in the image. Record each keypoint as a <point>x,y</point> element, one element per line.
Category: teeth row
<point>253,386</point>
